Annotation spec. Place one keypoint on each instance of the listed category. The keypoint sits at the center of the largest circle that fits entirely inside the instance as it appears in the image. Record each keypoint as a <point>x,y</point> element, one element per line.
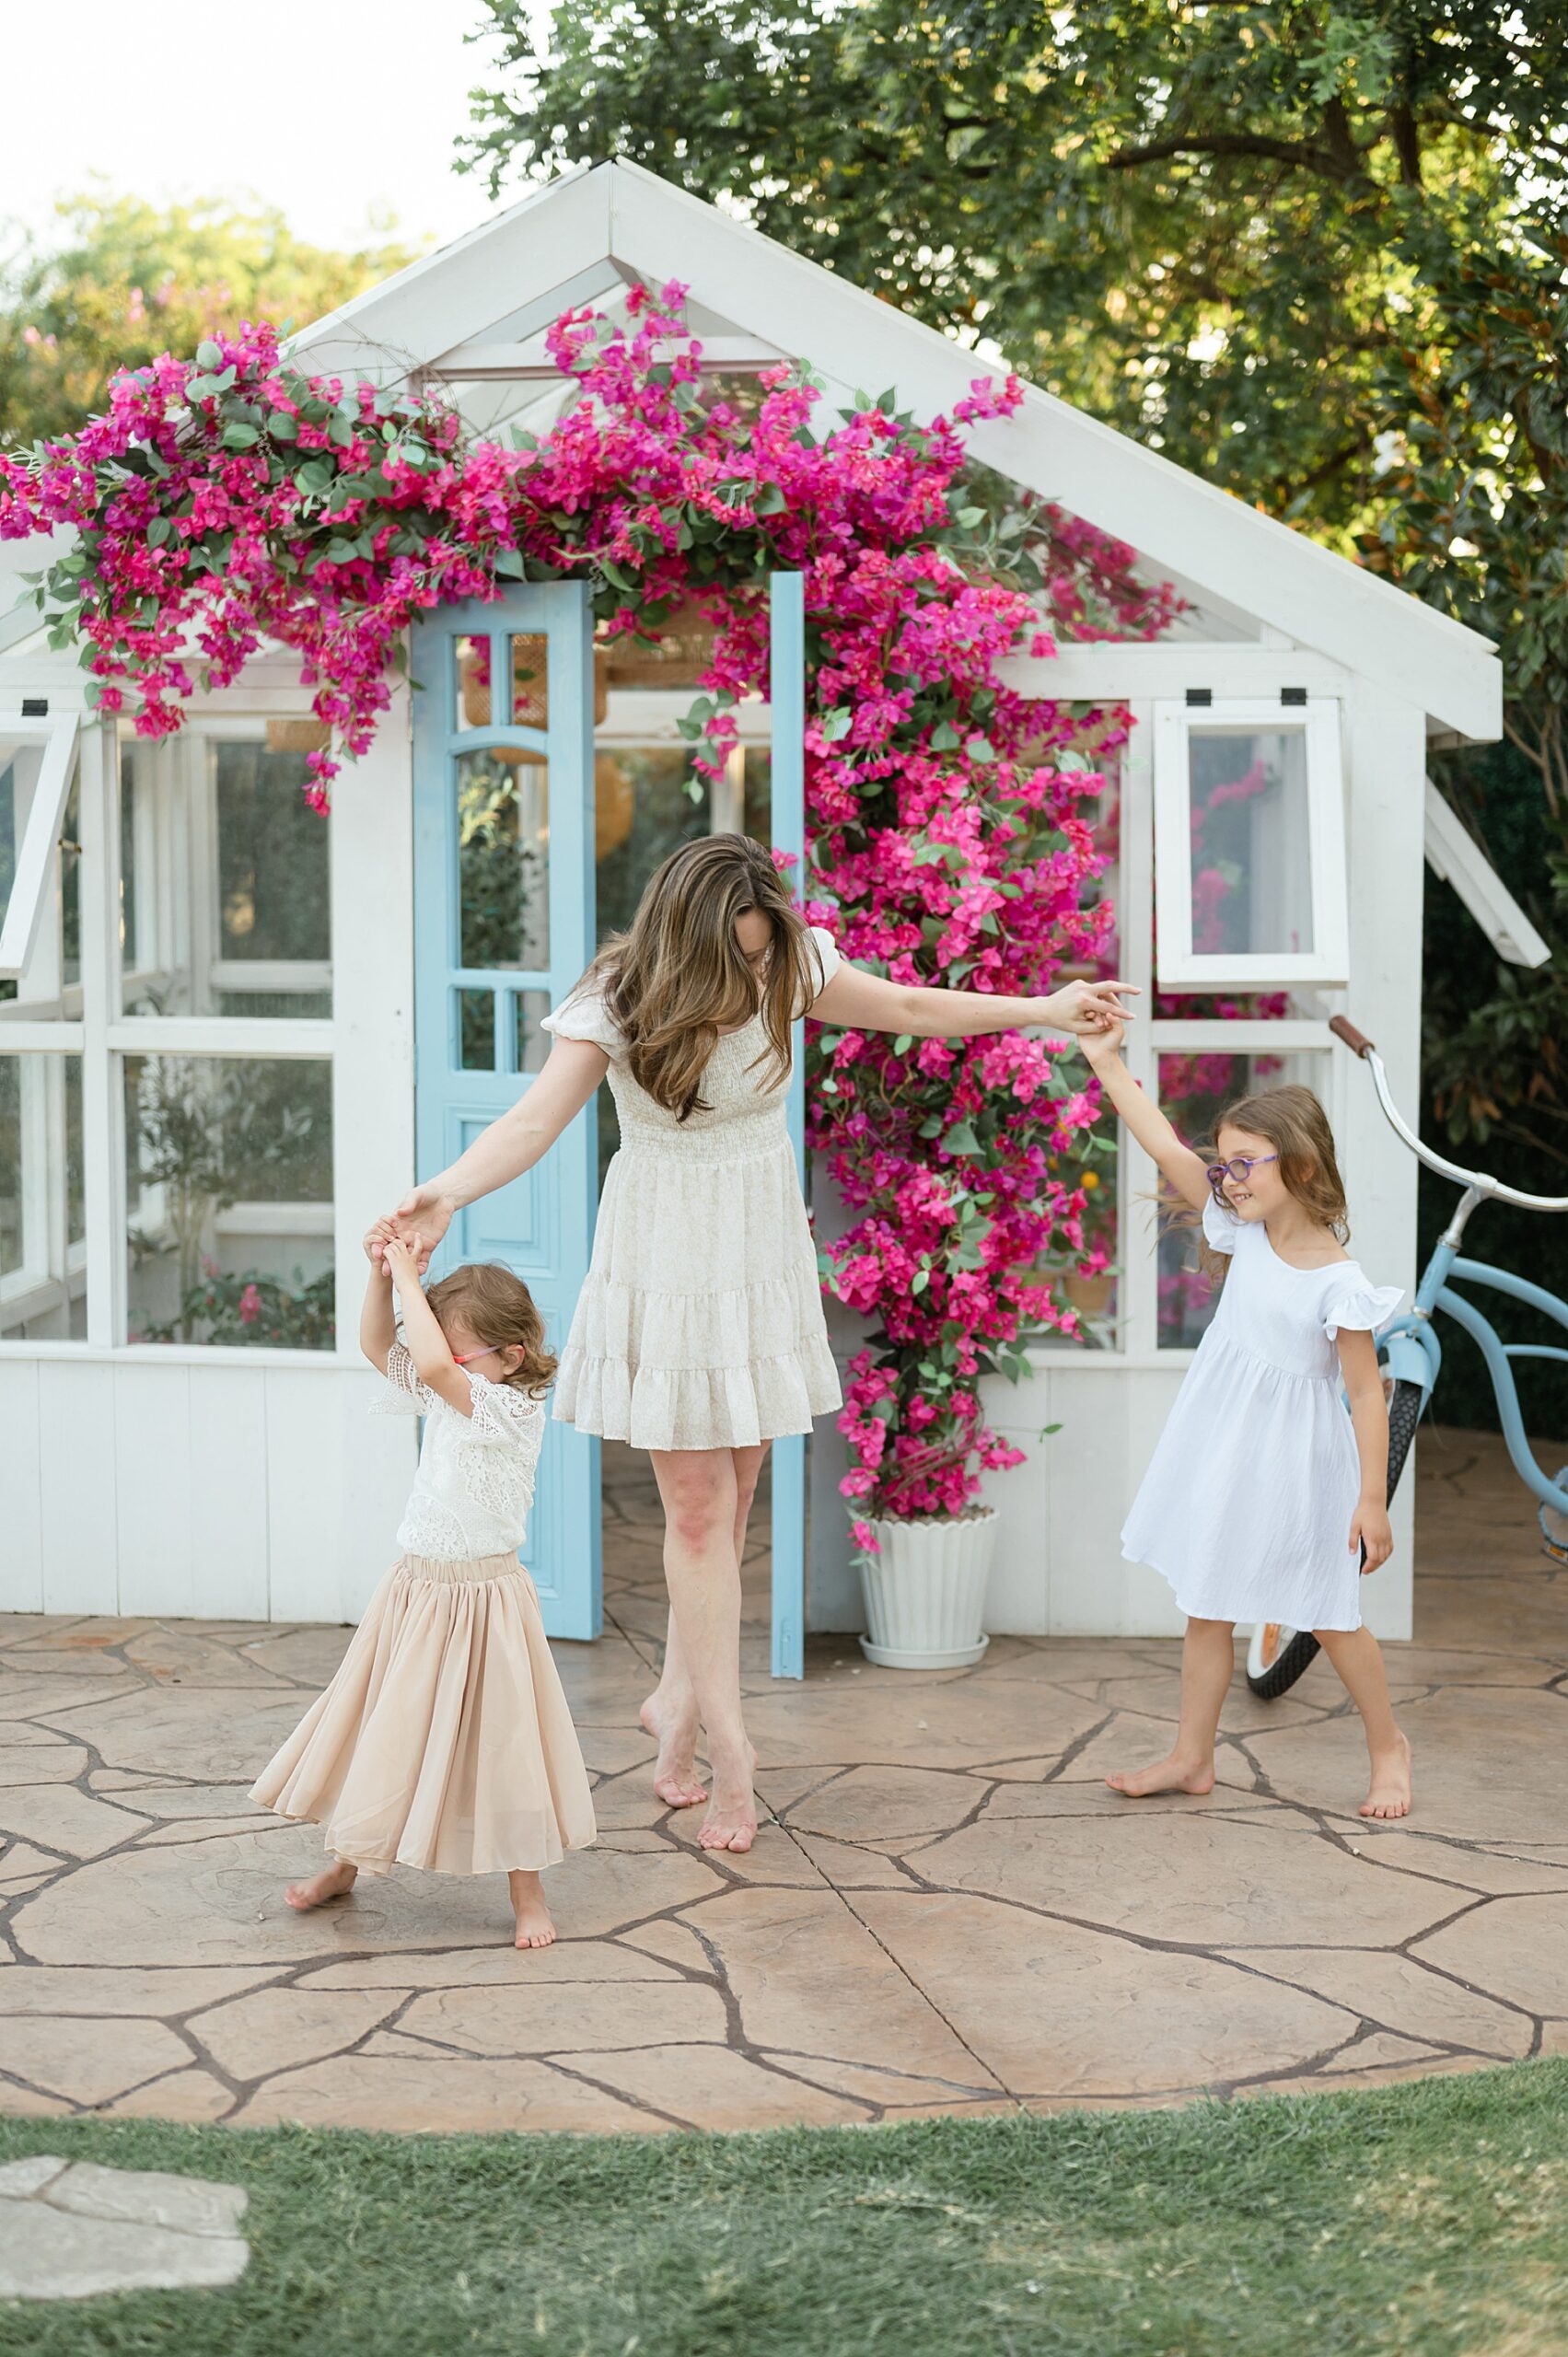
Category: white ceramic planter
<point>925,1590</point>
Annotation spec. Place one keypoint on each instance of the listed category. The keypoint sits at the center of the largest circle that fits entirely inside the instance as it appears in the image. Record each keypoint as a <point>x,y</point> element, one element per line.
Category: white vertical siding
<point>21,1490</point>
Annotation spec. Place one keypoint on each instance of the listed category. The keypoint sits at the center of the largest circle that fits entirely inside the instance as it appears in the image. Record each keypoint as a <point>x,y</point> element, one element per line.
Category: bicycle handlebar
<point>1358,1042</point>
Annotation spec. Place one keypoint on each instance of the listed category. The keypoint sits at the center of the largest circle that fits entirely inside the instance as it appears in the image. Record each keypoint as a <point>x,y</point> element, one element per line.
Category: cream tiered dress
<point>444,1740</point>
<point>701,1323</point>
<point>1247,1505</point>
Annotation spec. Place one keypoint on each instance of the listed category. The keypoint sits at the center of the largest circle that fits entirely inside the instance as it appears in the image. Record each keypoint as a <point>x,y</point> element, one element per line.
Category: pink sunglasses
<point>461,1358</point>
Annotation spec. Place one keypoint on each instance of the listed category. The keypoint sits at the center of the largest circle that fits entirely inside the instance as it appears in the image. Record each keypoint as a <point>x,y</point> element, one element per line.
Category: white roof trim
<point>1452,852</point>
<point>645,228</point>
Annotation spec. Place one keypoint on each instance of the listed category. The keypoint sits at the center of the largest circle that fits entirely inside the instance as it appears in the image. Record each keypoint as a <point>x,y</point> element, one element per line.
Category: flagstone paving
<point>947,1910</point>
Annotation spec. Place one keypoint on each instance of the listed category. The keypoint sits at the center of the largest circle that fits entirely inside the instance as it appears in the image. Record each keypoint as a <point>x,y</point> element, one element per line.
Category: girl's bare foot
<point>333,1881</point>
<point>675,1771</point>
<point>1172,1775</point>
<point>535,1929</point>
<point>1389,1793</point>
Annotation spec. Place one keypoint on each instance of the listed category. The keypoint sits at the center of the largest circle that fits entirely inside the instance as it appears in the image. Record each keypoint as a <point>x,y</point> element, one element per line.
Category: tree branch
<point>1297,152</point>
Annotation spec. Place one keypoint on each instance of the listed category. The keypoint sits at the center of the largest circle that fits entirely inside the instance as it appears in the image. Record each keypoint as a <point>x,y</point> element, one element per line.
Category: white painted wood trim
<point>222,1035</point>
<point>104,1145</point>
<point>1182,967</point>
<point>35,852</point>
<point>1452,852</point>
<point>1107,670</point>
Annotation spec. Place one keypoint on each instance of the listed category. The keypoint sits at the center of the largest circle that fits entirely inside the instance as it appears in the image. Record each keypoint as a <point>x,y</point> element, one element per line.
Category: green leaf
<point>837,724</point>
<point>240,437</point>
<point>944,736</point>
<point>970,516</point>
<point>961,1138</point>
<point>903,1043</point>
<point>209,354</point>
<point>919,1280</point>
<point>159,532</point>
<point>509,563</point>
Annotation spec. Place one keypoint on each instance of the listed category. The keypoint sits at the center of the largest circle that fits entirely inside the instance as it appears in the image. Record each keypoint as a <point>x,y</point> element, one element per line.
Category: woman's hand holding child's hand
<point>1369,1529</point>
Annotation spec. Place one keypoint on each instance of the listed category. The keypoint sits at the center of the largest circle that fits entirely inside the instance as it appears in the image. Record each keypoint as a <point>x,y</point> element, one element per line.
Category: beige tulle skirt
<point>444,1740</point>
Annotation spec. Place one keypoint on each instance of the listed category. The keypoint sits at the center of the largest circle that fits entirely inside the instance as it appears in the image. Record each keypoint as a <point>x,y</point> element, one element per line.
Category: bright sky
<point>336,116</point>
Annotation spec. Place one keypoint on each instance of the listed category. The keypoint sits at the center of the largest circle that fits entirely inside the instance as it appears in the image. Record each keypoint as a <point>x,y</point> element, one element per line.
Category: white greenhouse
<point>230,1032</point>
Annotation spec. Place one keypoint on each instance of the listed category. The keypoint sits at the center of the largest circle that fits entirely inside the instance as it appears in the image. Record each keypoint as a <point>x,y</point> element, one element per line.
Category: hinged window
<point>37,756</point>
<point>1249,857</point>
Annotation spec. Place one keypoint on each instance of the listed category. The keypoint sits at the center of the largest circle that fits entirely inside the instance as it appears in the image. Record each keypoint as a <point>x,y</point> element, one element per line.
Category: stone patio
<point>951,1912</point>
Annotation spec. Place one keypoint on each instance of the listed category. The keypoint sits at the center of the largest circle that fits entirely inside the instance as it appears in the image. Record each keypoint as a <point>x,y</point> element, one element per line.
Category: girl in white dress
<point>1265,1501</point>
<point>700,1334</point>
<point>444,1739</point>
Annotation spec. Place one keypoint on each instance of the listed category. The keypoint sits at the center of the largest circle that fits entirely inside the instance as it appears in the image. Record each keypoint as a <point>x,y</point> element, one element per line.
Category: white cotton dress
<point>1246,1506</point>
<point>701,1323</point>
<point>444,1739</point>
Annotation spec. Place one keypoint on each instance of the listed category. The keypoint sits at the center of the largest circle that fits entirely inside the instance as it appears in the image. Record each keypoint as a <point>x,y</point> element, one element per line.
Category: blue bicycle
<point>1411,1356</point>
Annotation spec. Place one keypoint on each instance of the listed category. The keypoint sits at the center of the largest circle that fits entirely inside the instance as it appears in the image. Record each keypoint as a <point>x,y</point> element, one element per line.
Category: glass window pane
<point>274,856</point>
<point>1251,849</point>
<point>530,681</point>
<point>42,1253</point>
<point>1194,1090</point>
<point>532,1045</point>
<point>470,665</point>
<point>225,881</point>
<point>476,1030</point>
<point>642,811</point>
<point>502,861</point>
<point>71,888</point>
<point>228,1169</point>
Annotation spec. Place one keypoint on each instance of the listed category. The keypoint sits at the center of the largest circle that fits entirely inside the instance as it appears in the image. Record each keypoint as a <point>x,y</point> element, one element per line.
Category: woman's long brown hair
<point>678,977</point>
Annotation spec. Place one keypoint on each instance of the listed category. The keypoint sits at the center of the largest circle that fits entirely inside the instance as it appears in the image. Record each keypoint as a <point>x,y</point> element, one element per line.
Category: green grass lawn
<point>1425,2218</point>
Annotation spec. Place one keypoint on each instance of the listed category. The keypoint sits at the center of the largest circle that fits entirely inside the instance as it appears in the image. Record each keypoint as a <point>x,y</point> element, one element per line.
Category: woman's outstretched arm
<point>512,1143</point>
<point>861,1002</point>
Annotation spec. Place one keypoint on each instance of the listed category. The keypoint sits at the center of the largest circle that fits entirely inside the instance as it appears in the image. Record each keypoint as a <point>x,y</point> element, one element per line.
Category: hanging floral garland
<point>234,500</point>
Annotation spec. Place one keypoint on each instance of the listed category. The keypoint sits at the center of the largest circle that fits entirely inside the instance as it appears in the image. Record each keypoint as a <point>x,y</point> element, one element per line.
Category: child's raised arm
<point>427,1346</point>
<point>377,1326</point>
<point>1184,1169</point>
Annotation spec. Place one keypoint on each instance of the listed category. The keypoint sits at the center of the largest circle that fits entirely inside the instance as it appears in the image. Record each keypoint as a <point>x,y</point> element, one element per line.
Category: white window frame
<point>35,852</point>
<point>1179,966</point>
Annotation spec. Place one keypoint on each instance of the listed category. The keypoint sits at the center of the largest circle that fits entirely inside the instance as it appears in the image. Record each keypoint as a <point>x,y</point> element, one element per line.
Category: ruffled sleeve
<point>826,960</point>
<point>1356,1305</point>
<point>585,1016</point>
<point>403,1394</point>
<point>501,1414</point>
<point>1219,1227</point>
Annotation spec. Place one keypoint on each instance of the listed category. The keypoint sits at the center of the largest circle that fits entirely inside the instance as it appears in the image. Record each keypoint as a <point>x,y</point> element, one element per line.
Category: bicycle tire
<point>1301,1647</point>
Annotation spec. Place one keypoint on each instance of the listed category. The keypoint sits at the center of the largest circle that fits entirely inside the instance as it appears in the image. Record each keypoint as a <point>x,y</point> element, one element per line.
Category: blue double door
<point>505,923</point>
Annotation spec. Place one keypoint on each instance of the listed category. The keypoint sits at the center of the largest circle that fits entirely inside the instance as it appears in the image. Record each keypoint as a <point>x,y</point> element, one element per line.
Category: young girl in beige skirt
<point>444,1740</point>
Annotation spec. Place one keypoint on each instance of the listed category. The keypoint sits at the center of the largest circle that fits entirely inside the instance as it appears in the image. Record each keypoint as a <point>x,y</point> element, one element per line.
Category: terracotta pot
<point>925,1590</point>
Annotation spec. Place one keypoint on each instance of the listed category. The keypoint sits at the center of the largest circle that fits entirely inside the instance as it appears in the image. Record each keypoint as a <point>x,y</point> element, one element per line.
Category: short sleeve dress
<point>1246,1507</point>
<point>701,1323</point>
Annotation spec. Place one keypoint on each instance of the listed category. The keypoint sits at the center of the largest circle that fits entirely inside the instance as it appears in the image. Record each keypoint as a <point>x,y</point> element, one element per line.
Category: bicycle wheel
<point>1276,1654</point>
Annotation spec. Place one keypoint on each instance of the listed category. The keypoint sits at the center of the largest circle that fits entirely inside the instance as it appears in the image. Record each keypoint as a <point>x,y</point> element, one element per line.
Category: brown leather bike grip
<point>1344,1029</point>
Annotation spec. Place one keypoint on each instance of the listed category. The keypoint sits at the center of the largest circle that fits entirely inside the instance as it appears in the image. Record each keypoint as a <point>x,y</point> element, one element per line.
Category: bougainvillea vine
<point>236,500</point>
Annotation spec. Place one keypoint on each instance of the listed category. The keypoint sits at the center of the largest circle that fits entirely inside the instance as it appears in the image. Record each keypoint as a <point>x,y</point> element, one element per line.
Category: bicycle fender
<point>1412,1352</point>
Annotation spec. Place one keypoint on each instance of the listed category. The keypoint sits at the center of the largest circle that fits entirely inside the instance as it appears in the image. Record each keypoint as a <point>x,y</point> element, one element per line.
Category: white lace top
<point>474,1485</point>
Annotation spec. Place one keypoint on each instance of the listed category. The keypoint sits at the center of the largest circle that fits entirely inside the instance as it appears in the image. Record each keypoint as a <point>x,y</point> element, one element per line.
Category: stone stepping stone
<point>69,2229</point>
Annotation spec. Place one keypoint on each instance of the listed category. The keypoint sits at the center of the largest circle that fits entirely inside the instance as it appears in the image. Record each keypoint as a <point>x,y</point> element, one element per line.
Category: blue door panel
<point>542,1224</point>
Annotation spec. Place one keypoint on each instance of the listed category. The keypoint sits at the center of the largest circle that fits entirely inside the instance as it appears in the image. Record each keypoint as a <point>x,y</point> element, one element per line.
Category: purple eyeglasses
<point>1240,1167</point>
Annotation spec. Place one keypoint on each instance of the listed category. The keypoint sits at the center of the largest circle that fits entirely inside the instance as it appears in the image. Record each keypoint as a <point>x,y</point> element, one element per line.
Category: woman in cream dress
<point>700,1334</point>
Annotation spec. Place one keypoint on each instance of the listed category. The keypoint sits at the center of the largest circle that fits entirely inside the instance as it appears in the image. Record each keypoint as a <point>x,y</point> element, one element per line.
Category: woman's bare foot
<point>675,1771</point>
<point>731,1821</point>
<point>333,1881</point>
<point>535,1929</point>
<point>1389,1793</point>
<point>1172,1775</point>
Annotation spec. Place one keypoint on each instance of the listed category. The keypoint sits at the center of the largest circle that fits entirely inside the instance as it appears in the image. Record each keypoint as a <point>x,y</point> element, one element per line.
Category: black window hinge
<point>1199,695</point>
<point>1293,695</point>
<point>35,707</point>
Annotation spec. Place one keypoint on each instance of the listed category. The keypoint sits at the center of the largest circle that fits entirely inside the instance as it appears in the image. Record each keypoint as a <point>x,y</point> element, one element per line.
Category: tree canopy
<point>115,282</point>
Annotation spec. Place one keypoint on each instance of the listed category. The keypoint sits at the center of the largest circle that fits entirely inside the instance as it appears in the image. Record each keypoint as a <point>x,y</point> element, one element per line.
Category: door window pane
<point>42,1227</point>
<point>1194,1090</point>
<point>502,861</point>
<point>225,882</point>
<point>229,1187</point>
<point>1251,865</point>
<point>642,811</point>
